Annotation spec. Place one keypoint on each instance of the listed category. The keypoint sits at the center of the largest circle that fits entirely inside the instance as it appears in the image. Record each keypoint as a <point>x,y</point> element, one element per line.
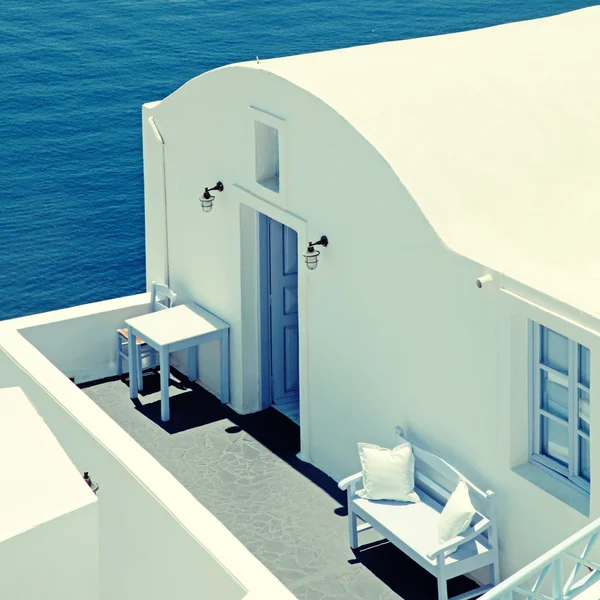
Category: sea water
<point>75,74</point>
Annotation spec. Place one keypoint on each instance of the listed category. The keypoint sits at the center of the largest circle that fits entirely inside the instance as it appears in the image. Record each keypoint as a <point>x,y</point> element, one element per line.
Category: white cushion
<point>417,526</point>
<point>457,513</point>
<point>388,474</point>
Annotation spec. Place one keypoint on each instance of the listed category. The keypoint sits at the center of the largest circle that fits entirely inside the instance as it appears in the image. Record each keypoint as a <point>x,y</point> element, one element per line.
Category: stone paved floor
<point>245,471</point>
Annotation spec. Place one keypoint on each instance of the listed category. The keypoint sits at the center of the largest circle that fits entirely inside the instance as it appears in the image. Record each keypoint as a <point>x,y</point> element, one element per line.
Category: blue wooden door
<point>283,254</point>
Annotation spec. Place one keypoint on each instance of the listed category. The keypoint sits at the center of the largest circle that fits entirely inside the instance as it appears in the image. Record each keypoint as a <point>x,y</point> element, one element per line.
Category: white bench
<point>413,527</point>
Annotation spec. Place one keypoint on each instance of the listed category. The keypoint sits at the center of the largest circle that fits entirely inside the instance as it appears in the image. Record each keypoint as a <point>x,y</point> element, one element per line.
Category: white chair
<point>161,298</point>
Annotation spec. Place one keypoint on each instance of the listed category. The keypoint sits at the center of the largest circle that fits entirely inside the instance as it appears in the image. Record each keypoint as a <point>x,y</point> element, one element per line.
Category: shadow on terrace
<point>245,471</point>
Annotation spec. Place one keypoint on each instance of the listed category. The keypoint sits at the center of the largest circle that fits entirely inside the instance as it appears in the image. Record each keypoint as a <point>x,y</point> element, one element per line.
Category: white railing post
<point>557,580</point>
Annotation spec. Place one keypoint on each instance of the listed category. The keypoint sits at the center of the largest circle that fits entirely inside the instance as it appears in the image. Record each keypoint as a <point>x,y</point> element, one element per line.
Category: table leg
<point>193,363</point>
<point>119,357</point>
<point>132,350</point>
<point>225,366</point>
<point>165,409</point>
<point>140,371</point>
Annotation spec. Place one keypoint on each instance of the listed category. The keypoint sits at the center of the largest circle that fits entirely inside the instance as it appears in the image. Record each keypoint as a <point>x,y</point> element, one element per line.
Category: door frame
<point>251,299</point>
<point>264,317</point>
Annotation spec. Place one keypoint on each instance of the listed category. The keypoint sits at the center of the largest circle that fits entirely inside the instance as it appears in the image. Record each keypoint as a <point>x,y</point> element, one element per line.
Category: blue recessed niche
<point>266,139</point>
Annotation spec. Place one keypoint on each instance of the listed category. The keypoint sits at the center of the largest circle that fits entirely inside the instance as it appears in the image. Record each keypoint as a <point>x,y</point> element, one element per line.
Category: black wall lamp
<point>207,199</point>
<point>93,485</point>
<point>311,256</point>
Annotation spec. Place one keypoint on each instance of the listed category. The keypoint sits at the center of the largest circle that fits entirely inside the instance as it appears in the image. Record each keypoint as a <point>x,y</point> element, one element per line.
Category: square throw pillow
<point>457,513</point>
<point>388,474</point>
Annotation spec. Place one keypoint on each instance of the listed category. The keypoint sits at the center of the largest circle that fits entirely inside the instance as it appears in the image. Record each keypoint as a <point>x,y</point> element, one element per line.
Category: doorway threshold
<point>290,409</point>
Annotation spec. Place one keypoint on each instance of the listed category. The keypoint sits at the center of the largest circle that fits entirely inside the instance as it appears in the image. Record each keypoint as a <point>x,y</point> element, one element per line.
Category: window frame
<point>573,384</point>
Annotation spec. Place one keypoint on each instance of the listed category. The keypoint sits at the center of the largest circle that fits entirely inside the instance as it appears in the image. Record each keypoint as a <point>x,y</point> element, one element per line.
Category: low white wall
<point>81,341</point>
<point>57,560</point>
<point>156,540</point>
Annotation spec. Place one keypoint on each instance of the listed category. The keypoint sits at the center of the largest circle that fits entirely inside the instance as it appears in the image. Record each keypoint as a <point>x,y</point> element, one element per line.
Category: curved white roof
<point>494,132</point>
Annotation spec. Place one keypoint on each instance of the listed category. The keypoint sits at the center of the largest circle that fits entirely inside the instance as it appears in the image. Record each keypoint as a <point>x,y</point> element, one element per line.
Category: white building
<point>456,179</point>
<point>428,164</point>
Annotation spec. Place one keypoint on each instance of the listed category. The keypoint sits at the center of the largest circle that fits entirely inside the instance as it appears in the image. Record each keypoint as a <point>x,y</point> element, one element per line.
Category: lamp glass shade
<point>312,258</point>
<point>207,203</point>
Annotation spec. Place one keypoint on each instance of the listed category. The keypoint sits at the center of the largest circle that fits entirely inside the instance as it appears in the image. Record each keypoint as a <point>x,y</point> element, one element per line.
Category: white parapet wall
<point>81,341</point>
<point>48,514</point>
<point>156,540</point>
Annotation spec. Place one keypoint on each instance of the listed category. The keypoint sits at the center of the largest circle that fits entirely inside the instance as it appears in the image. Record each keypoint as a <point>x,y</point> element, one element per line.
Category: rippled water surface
<point>74,77</point>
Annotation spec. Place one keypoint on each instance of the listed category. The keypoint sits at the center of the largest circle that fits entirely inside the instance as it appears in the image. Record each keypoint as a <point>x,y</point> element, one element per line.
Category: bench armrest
<point>459,540</point>
<point>352,480</point>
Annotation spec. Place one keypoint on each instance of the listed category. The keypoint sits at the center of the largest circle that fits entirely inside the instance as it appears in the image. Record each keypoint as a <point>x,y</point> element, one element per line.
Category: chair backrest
<point>161,297</point>
<point>439,479</point>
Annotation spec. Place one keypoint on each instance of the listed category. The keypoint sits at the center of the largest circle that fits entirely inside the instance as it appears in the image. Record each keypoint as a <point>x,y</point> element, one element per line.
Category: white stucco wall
<point>393,329</point>
<point>57,560</point>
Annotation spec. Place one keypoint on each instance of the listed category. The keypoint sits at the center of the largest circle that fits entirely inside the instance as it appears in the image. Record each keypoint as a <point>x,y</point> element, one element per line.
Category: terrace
<point>244,470</point>
<point>210,502</point>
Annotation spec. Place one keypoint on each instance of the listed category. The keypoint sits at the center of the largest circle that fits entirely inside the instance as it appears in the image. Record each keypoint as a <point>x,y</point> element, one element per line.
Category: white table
<point>177,328</point>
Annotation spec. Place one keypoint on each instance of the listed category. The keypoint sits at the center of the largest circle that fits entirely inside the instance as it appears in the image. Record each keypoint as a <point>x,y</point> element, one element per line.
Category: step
<point>290,410</point>
<point>592,593</point>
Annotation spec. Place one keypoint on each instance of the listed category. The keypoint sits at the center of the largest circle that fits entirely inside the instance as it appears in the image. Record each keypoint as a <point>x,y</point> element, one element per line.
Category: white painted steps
<point>592,593</point>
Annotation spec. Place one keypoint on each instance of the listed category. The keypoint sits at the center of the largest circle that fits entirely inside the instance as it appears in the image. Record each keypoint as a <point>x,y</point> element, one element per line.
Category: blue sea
<point>75,74</point>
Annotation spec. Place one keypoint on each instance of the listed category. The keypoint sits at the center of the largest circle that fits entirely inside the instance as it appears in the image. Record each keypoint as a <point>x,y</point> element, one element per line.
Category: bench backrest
<point>438,479</point>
